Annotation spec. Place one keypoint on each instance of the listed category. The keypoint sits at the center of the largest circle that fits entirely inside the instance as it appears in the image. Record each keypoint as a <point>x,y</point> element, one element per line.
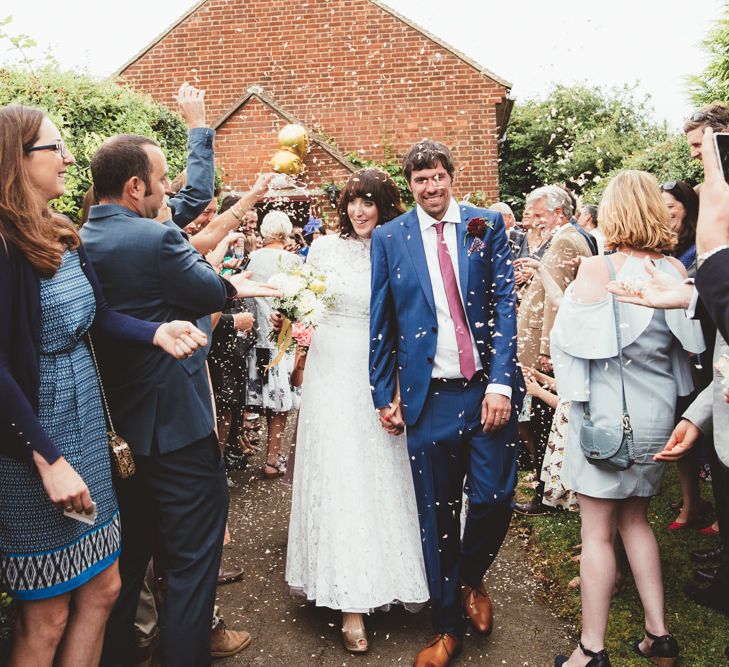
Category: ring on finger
<point>68,509</point>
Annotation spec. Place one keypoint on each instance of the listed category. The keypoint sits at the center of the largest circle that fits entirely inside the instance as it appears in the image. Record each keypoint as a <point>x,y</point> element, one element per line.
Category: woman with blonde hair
<point>627,360</point>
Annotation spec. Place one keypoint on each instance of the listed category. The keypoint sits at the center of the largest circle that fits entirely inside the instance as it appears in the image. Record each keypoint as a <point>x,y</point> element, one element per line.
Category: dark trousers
<point>720,487</point>
<point>179,503</point>
<point>446,445</point>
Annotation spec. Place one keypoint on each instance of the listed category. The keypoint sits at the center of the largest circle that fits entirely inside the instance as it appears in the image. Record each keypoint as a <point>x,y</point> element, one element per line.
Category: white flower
<point>288,284</point>
<point>307,301</point>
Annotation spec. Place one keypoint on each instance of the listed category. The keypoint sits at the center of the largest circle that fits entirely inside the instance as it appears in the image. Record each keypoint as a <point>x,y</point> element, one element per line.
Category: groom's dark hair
<point>426,154</point>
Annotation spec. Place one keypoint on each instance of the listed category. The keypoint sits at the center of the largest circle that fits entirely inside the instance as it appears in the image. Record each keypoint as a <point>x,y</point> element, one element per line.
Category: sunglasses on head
<point>668,186</point>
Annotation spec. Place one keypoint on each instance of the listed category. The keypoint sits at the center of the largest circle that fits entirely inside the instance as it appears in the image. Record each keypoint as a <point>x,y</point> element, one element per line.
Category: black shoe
<point>533,508</point>
<point>726,652</point>
<point>707,555</point>
<point>665,648</point>
<point>599,658</point>
<point>705,574</point>
<point>708,597</point>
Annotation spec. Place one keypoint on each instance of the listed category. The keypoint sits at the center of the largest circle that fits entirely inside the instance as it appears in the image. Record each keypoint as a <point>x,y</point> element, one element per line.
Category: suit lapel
<point>463,263</point>
<point>414,243</point>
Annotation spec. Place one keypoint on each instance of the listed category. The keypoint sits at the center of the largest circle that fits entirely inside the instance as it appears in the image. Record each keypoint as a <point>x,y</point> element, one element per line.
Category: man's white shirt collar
<point>453,214</point>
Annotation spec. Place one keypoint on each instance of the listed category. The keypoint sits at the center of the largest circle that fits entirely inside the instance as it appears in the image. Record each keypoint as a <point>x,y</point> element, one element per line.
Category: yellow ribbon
<point>285,336</point>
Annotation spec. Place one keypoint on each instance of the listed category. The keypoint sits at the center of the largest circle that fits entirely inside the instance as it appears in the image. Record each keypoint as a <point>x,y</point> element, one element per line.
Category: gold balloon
<point>285,161</point>
<point>294,137</point>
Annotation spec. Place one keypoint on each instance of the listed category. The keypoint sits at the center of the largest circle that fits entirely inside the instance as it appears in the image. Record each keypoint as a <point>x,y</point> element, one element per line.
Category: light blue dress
<point>656,371</point>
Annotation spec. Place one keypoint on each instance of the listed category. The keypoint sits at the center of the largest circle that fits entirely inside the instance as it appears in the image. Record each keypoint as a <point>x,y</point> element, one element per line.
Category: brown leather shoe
<point>228,576</point>
<point>478,608</point>
<point>224,642</point>
<point>439,652</point>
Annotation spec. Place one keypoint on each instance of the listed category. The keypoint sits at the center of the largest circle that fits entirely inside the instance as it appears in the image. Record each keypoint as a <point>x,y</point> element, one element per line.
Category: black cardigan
<point>20,330</point>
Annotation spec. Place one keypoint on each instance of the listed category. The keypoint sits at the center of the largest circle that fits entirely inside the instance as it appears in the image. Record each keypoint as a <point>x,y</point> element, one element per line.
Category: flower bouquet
<point>304,302</point>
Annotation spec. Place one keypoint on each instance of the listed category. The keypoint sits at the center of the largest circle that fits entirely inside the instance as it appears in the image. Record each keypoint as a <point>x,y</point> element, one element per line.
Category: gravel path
<point>288,631</point>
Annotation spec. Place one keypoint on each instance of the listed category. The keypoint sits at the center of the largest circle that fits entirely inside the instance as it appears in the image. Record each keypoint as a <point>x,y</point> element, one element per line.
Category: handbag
<point>609,448</point>
<point>122,461</point>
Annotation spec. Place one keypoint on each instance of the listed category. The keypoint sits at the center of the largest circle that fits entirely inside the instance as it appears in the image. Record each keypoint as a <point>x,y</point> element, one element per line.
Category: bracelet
<point>237,216</point>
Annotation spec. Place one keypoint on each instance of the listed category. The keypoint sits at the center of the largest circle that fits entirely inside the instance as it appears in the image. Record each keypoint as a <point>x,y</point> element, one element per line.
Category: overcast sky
<point>531,43</point>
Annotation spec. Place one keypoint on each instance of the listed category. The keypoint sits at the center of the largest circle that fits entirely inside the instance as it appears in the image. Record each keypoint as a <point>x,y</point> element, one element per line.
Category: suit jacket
<point>709,411</point>
<point>403,324</point>
<point>536,312</point>
<point>150,271</point>
<point>199,188</point>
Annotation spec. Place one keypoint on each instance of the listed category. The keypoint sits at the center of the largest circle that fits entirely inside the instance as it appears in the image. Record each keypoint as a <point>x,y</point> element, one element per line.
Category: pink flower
<point>302,334</point>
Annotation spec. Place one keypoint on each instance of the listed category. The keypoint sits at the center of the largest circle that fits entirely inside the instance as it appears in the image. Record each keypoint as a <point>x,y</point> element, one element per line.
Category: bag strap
<point>101,384</point>
<point>616,313</point>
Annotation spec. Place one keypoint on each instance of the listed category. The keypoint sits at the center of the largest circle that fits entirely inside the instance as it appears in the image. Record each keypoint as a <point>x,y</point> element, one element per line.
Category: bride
<point>354,542</point>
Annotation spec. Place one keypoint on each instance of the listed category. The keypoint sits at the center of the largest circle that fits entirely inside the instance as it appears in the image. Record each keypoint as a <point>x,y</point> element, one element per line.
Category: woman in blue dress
<point>54,456</point>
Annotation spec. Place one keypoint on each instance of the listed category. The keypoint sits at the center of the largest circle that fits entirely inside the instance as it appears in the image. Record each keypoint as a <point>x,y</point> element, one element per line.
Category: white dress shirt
<point>446,364</point>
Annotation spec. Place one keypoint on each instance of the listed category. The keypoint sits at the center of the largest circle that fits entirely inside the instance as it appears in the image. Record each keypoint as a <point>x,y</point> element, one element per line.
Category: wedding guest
<point>551,208</point>
<point>178,498</point>
<point>54,455</point>
<point>683,205</point>
<point>587,219</point>
<point>353,541</point>
<point>655,370</point>
<point>269,387</point>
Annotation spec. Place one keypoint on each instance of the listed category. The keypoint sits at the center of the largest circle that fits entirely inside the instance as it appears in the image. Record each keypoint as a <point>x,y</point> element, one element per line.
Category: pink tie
<point>458,315</point>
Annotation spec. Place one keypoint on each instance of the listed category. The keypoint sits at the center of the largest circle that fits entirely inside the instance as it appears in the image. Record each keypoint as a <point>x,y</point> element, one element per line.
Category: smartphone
<point>721,141</point>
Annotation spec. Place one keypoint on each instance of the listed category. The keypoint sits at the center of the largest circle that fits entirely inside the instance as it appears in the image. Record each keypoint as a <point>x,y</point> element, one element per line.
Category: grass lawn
<point>701,633</point>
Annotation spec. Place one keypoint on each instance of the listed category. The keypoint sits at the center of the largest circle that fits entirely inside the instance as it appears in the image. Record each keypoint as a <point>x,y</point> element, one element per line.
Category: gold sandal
<point>355,641</point>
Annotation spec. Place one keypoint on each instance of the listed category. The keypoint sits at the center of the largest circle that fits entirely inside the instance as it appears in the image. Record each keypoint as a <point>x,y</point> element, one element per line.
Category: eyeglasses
<point>668,186</point>
<point>58,146</point>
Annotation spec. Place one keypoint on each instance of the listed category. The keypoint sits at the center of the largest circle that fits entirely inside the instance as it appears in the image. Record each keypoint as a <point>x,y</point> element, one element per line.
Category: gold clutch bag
<point>122,461</point>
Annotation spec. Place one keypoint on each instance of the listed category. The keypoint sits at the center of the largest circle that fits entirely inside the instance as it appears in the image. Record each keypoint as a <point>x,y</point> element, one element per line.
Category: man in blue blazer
<point>443,361</point>
<point>178,500</point>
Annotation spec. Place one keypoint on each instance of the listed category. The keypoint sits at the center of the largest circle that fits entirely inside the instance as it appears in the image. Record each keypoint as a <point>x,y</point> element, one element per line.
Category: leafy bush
<point>392,167</point>
<point>87,111</point>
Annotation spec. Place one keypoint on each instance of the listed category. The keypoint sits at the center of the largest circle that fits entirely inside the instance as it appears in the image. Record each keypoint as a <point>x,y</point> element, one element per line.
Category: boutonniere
<point>477,229</point>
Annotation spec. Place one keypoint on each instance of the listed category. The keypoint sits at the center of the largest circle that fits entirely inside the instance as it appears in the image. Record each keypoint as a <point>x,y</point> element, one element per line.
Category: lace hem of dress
<point>412,607</point>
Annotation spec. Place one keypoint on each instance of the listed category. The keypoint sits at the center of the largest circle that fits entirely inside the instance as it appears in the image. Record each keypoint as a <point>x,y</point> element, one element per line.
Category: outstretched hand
<point>661,290</point>
<point>683,438</point>
<point>248,288</point>
<point>179,338</point>
<point>260,187</point>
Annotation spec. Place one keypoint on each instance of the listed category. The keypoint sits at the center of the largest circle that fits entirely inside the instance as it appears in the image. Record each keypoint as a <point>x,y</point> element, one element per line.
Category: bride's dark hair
<point>376,186</point>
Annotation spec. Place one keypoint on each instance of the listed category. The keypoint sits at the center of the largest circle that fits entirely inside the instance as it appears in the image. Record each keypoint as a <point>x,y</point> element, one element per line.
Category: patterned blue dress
<point>43,553</point>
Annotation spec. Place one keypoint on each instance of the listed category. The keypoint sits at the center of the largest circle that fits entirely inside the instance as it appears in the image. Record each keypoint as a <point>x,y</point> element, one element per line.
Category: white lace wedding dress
<point>354,540</point>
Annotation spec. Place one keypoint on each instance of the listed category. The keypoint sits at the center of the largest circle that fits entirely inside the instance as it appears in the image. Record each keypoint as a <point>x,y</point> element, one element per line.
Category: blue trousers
<point>175,507</point>
<point>447,445</point>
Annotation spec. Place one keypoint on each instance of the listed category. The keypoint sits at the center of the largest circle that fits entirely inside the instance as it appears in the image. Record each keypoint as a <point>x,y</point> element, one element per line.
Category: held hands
<point>682,439</point>
<point>495,412</point>
<point>660,291</point>
<point>391,418</point>
<point>179,338</point>
<point>191,104</point>
<point>63,485</point>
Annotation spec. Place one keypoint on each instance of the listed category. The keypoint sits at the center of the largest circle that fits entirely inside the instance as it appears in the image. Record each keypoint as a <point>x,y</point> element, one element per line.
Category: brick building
<point>360,77</point>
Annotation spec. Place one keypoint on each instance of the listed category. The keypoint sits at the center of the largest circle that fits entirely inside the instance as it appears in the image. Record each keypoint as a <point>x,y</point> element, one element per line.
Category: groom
<point>443,361</point>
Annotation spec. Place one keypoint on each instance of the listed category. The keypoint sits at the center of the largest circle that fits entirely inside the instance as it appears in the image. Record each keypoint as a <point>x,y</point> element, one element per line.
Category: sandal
<point>663,651</point>
<point>598,658</point>
<point>278,468</point>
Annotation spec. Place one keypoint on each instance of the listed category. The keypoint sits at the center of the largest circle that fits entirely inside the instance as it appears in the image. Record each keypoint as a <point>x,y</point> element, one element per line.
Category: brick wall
<point>345,68</point>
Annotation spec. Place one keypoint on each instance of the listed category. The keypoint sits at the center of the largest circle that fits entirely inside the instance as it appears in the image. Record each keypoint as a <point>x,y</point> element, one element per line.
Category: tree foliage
<point>668,160</point>
<point>575,135</point>
<point>712,85</point>
<point>391,166</point>
<point>87,111</point>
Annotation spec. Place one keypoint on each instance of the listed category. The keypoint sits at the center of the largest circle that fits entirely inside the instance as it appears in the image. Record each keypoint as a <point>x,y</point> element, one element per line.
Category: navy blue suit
<point>162,407</point>
<point>445,439</point>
